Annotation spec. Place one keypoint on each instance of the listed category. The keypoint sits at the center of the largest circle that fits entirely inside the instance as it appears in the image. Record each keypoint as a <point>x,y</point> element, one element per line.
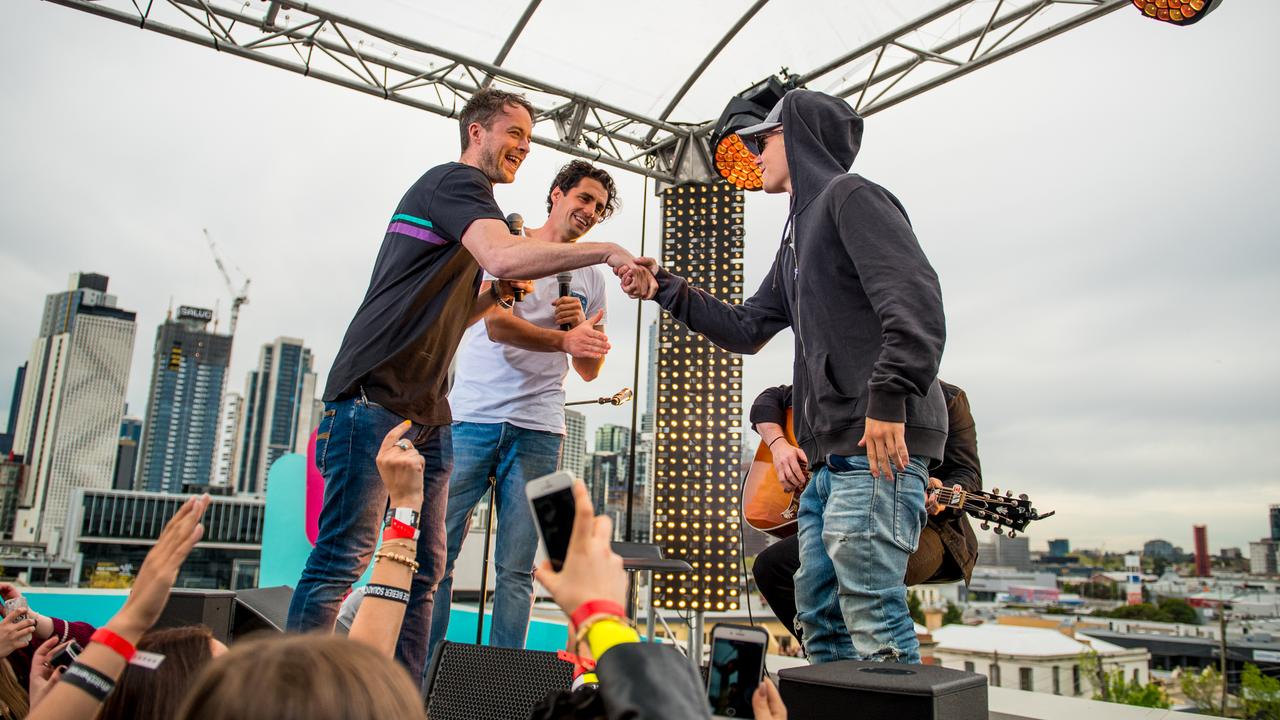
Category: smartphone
<point>66,656</point>
<point>551,500</point>
<point>18,605</point>
<point>737,666</point>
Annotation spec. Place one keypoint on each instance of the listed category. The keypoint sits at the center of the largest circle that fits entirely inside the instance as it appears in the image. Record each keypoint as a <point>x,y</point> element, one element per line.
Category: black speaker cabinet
<point>477,682</point>
<point>859,689</point>
<point>228,614</point>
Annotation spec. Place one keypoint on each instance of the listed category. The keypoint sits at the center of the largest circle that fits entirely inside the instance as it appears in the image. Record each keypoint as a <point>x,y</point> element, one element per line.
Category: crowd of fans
<point>326,676</point>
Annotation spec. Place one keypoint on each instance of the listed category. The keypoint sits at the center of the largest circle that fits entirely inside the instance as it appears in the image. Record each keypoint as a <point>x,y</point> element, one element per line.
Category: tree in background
<point>952,616</point>
<point>1204,690</point>
<point>1259,694</point>
<point>1112,686</point>
<point>1173,610</point>
<point>913,607</point>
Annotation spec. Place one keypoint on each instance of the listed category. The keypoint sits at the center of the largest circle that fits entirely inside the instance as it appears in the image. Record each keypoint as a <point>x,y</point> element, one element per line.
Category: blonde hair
<point>13,696</point>
<point>303,677</point>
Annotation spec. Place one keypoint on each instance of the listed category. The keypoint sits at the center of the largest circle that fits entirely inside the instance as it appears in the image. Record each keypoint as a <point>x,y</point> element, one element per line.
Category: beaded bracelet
<point>397,557</point>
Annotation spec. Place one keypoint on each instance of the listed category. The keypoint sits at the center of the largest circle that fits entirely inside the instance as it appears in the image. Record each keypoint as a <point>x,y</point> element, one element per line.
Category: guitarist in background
<point>948,548</point>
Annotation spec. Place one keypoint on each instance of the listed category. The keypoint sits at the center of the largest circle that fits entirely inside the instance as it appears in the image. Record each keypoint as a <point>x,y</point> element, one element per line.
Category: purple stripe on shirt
<point>417,232</point>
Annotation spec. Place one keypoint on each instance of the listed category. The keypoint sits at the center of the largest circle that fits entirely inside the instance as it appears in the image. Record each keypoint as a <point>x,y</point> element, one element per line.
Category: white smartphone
<point>551,501</point>
<point>737,666</point>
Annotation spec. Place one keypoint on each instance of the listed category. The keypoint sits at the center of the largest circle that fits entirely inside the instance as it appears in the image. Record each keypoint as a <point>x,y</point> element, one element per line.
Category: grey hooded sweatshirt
<point>852,282</point>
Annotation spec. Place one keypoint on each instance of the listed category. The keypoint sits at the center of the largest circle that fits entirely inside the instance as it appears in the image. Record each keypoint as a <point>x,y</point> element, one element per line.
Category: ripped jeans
<point>856,534</point>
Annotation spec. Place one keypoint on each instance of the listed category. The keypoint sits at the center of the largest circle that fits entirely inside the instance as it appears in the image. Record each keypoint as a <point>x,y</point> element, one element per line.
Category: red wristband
<point>596,607</point>
<point>396,529</point>
<point>122,647</point>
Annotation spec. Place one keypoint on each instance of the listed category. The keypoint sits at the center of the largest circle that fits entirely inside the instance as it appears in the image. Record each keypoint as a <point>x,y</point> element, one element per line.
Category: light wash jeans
<point>355,502</point>
<point>514,456</point>
<point>856,534</point>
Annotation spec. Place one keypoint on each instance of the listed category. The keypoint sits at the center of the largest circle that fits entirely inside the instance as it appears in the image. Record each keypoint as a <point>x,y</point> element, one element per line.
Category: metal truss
<point>299,37</point>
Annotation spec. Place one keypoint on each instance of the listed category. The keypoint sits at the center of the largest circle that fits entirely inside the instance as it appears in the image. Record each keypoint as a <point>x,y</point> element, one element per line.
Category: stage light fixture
<point>1176,12</point>
<point>733,160</point>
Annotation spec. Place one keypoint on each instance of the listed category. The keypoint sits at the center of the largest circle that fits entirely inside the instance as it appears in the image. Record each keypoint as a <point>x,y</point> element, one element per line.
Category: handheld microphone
<point>621,396</point>
<point>564,279</point>
<point>515,224</point>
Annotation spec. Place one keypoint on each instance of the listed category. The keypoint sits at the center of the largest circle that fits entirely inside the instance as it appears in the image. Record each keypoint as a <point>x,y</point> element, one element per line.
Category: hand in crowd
<point>15,632</point>
<point>792,465</point>
<point>401,467</point>
<point>43,677</point>
<point>507,288</point>
<point>159,570</point>
<point>767,703</point>
<point>886,444</point>
<point>931,503</point>
<point>592,570</point>
<point>583,340</point>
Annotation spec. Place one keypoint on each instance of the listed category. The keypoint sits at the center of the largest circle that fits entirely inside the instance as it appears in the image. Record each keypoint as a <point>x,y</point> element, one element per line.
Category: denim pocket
<point>323,433</point>
<point>908,509</point>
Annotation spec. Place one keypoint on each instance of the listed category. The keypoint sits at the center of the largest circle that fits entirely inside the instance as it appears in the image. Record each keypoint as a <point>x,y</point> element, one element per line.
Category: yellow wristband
<point>607,632</point>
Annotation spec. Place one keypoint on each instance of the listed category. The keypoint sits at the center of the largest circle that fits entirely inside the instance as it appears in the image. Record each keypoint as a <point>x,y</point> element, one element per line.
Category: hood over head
<point>822,135</point>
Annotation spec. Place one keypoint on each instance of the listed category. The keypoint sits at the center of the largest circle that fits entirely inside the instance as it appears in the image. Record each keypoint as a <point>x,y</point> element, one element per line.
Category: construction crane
<point>237,298</point>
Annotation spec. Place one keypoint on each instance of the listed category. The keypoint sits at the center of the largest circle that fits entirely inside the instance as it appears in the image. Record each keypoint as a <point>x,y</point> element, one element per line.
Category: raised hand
<point>15,632</point>
<point>159,570</point>
<point>401,467</point>
<point>583,340</point>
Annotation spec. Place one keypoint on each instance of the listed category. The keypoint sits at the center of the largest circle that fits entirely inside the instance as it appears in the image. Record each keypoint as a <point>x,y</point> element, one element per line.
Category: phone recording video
<point>737,665</point>
<point>551,500</point>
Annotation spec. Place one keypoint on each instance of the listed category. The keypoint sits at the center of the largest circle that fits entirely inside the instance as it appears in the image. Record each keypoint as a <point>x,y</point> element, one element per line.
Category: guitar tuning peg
<point>985,525</point>
<point>995,491</point>
<point>1012,534</point>
<point>999,531</point>
<point>1023,496</point>
<point>1008,493</point>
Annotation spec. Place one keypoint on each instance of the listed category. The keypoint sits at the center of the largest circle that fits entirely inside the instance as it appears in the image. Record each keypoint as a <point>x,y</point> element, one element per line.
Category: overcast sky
<point>1096,207</point>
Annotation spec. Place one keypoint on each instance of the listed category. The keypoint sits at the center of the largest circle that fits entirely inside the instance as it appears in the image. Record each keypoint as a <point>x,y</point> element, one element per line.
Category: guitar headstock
<point>1003,511</point>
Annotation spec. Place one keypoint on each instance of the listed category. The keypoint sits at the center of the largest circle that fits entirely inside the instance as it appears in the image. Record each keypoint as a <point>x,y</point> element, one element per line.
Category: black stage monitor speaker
<point>882,690</point>
<point>228,614</point>
<point>477,682</point>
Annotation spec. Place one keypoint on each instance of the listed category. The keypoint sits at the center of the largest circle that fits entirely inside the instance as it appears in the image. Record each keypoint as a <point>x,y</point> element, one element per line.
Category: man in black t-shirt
<point>393,363</point>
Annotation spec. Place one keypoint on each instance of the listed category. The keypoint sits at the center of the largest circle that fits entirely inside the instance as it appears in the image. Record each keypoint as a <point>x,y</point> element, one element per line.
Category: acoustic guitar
<point>770,509</point>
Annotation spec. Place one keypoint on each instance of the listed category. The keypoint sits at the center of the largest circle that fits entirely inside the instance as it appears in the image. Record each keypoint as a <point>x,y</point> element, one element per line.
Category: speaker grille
<point>476,682</point>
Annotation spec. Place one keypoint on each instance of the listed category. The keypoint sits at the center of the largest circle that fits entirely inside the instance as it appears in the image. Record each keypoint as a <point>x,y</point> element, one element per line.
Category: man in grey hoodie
<point>851,281</point>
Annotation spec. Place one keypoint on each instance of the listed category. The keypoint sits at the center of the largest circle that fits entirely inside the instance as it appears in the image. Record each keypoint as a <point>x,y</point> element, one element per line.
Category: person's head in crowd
<point>581,195</point>
<point>13,695</point>
<point>144,693</point>
<point>496,128</point>
<point>303,677</point>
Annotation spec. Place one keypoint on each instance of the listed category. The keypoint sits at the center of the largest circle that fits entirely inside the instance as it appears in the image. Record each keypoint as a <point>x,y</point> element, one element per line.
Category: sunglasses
<point>756,143</point>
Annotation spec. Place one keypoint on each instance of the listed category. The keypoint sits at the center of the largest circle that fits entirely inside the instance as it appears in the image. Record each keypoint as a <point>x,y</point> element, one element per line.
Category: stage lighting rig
<point>1177,12</point>
<point>734,161</point>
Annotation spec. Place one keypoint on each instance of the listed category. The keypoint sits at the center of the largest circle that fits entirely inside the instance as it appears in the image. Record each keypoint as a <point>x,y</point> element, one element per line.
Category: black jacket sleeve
<point>903,288</point>
<point>771,406</point>
<point>741,328</point>
<point>643,681</point>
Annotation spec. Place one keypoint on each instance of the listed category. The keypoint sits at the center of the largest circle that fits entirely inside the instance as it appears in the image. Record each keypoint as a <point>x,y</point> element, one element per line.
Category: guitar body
<point>765,505</point>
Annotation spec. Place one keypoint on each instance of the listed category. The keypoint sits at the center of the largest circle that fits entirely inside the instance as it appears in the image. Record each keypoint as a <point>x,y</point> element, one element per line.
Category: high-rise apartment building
<point>73,397</point>
<point>127,453</point>
<point>228,439</point>
<point>279,401</point>
<point>6,437</point>
<point>575,442</point>
<point>613,439</point>
<point>188,372</point>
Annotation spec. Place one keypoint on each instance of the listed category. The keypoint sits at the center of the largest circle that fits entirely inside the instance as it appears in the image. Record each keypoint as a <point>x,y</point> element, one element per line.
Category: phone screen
<point>554,513</point>
<point>733,676</point>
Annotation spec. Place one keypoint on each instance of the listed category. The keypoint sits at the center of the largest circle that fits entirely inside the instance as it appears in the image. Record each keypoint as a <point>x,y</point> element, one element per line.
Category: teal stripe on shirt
<point>412,219</point>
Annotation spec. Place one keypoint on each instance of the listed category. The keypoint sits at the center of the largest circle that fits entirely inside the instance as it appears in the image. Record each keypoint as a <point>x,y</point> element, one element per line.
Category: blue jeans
<point>856,534</point>
<point>513,456</point>
<point>355,501</point>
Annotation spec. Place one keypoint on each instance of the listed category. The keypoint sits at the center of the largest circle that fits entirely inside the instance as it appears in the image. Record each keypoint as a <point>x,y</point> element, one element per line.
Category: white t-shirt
<point>499,383</point>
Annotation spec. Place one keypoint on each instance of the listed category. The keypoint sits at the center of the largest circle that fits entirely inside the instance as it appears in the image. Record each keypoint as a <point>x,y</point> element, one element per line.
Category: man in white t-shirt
<point>508,402</point>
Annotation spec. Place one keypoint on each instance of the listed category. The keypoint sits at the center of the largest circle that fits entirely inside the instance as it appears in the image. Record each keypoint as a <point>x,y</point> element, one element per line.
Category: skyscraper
<point>1060,547</point>
<point>279,400</point>
<point>1275,522</point>
<point>228,439</point>
<point>613,439</point>
<point>575,442</point>
<point>72,400</point>
<point>187,375</point>
<point>6,437</point>
<point>1202,550</point>
<point>127,453</point>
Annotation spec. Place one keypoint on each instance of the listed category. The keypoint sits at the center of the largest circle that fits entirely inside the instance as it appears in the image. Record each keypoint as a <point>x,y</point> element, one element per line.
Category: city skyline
<point>1114,336</point>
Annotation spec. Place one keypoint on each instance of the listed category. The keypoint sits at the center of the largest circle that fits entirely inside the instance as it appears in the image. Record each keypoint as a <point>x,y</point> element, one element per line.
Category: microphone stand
<point>607,400</point>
